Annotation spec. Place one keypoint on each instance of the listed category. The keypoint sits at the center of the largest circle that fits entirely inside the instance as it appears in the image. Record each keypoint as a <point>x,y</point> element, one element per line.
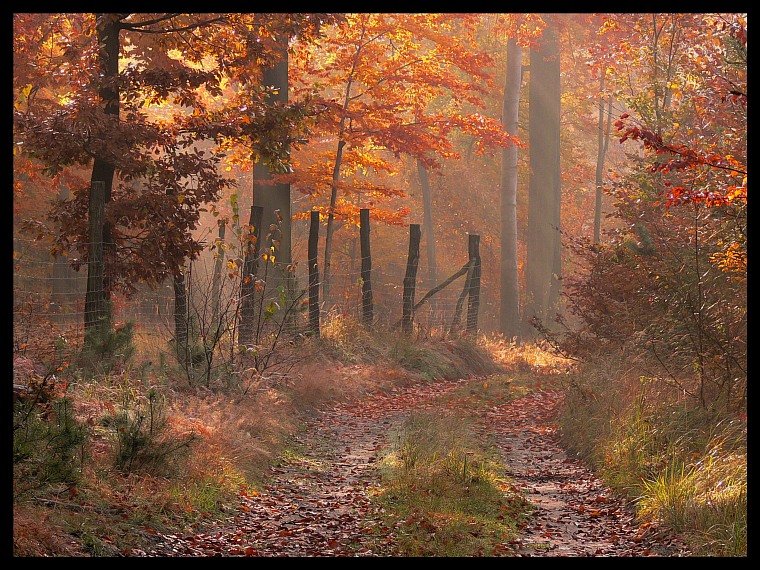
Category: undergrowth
<point>682,465</point>
<point>132,448</point>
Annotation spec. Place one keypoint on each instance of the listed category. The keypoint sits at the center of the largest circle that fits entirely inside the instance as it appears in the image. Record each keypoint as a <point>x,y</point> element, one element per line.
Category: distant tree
<point>428,228</point>
<point>509,315</point>
<point>380,76</point>
<point>543,267</point>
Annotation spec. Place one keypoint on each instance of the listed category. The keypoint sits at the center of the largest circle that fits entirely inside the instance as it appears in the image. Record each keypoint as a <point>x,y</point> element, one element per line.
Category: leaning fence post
<point>473,293</point>
<point>410,279</point>
<point>367,308</point>
<point>313,249</point>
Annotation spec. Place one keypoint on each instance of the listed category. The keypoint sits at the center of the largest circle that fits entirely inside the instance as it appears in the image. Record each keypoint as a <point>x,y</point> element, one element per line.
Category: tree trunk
<point>248,281</point>
<point>509,314</point>
<point>217,276</point>
<point>180,317</point>
<point>603,140</point>
<point>107,30</point>
<point>543,268</point>
<point>313,252</point>
<point>427,202</point>
<point>334,185</point>
<point>275,198</point>
<point>96,314</point>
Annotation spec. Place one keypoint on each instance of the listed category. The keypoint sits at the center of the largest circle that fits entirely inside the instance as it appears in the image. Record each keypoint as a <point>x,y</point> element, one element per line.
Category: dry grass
<point>37,533</point>
<point>682,465</point>
<point>235,431</point>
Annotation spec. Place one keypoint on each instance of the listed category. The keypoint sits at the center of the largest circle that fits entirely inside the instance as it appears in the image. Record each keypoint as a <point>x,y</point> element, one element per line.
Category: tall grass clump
<point>705,499</point>
<point>682,465</point>
<point>443,492</point>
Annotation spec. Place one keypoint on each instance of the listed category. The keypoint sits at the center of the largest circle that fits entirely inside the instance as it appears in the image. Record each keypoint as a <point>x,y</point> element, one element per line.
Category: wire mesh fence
<point>49,299</point>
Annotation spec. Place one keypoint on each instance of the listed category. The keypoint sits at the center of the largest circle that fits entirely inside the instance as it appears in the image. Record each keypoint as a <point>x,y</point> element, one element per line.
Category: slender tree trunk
<point>410,279</point>
<point>334,185</point>
<point>509,315</point>
<point>543,268</point>
<point>217,276</point>
<point>248,284</point>
<point>313,252</point>
<point>367,304</point>
<point>603,140</point>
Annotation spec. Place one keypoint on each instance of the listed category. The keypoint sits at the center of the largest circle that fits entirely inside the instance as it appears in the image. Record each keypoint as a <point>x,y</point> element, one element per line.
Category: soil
<point>318,502</point>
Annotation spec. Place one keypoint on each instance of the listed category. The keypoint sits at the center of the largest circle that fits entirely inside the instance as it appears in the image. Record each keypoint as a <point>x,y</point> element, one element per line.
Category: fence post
<point>95,301</point>
<point>367,308</point>
<point>473,292</point>
<point>410,279</point>
<point>250,270</point>
<point>313,273</point>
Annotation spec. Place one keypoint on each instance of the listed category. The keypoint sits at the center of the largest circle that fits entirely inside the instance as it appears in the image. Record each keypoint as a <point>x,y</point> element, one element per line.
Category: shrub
<point>141,435</point>
<point>105,348</point>
<point>48,444</point>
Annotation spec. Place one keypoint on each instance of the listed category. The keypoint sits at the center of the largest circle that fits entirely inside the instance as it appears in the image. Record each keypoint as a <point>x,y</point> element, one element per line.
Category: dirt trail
<point>575,514</point>
<point>318,504</point>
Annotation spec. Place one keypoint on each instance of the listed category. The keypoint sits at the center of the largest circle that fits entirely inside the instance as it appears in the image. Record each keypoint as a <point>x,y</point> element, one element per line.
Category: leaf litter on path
<point>319,504</point>
<point>575,514</point>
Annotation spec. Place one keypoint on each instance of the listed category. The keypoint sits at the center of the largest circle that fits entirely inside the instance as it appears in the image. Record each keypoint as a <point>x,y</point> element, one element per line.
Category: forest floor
<point>318,501</point>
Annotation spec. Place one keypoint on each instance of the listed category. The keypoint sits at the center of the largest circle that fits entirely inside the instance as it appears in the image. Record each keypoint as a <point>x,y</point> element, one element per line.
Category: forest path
<point>318,501</point>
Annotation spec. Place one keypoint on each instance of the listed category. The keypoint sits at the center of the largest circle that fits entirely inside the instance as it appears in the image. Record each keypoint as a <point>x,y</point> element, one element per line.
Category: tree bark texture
<point>248,280</point>
<point>509,313</point>
<point>95,310</point>
<point>180,316</point>
<point>543,266</point>
<point>107,31</point>
<point>271,197</point>
<point>313,252</point>
<point>427,202</point>
<point>217,276</point>
<point>603,141</point>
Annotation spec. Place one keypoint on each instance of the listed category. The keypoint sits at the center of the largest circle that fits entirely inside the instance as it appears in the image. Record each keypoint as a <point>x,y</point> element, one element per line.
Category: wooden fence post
<point>95,301</point>
<point>473,289</point>
<point>313,250</point>
<point>367,308</point>
<point>410,279</point>
<point>250,269</point>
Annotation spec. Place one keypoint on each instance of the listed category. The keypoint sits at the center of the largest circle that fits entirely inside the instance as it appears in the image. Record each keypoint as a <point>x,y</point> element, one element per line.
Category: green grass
<point>684,466</point>
<point>706,500</point>
<point>444,493</point>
